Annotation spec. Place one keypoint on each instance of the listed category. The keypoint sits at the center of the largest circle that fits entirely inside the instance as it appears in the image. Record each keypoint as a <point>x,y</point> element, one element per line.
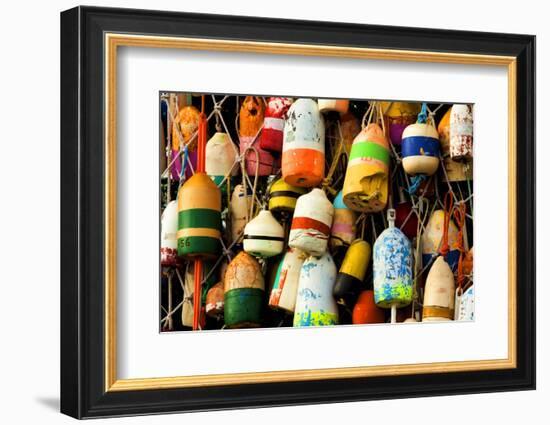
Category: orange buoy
<point>303,162</point>
<point>366,310</point>
<point>251,118</point>
<point>366,183</point>
<point>187,122</point>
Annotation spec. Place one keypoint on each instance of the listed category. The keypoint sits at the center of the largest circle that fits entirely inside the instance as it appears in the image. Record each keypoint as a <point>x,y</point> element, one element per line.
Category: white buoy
<point>263,236</point>
<point>315,305</point>
<point>311,223</point>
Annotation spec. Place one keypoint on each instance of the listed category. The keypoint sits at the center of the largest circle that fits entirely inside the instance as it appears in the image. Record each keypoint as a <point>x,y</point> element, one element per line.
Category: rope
<point>444,249</point>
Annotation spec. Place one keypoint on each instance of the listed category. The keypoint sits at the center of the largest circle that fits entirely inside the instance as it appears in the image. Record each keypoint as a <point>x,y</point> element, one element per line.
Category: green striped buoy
<point>199,217</point>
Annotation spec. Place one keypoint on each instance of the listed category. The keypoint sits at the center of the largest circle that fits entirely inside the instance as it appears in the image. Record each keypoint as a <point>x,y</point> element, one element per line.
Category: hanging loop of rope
<point>460,219</point>
<point>449,204</point>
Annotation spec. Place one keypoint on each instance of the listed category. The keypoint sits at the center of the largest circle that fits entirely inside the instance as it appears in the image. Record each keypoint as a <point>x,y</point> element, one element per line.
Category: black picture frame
<point>83,392</point>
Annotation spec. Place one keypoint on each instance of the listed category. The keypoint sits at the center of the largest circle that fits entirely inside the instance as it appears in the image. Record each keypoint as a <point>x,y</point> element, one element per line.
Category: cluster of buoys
<point>289,237</point>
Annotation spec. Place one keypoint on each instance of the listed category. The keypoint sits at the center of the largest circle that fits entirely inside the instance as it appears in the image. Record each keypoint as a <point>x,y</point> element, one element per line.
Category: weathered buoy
<point>215,301</point>
<point>456,171</point>
<point>315,305</point>
<point>349,280</point>
<point>263,236</point>
<point>392,268</point>
<point>462,132</point>
<point>350,128</point>
<point>439,293</point>
<point>243,292</point>
<point>168,235</point>
<point>465,306</point>
<point>311,223</point>
<point>432,239</point>
<point>399,115</point>
<point>342,232</point>
<point>221,157</point>
<point>337,105</point>
<point>366,183</point>
<point>366,311</point>
<point>187,121</point>
<point>303,162</point>
<point>199,217</point>
<point>420,149</point>
<point>285,283</point>
<point>240,205</point>
<point>251,118</point>
<point>282,196</point>
<point>271,138</point>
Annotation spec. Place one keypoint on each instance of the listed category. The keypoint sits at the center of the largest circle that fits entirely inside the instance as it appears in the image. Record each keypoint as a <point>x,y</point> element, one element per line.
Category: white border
<point>143,353</point>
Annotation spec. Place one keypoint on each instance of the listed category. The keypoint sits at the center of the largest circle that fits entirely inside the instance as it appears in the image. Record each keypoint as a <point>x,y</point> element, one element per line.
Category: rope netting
<point>455,198</point>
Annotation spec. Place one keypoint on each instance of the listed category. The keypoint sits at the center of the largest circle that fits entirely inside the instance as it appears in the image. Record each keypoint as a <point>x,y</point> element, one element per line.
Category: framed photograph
<point>261,212</point>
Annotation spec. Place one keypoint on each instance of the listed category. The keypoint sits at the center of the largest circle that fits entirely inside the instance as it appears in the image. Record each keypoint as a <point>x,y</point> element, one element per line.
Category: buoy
<point>366,182</point>
<point>439,293</point>
<point>199,217</point>
<point>465,306</point>
<point>432,239</point>
<point>456,171</point>
<point>282,196</point>
<point>350,127</point>
<point>392,268</point>
<point>263,236</point>
<point>168,238</point>
<point>349,280</point>
<point>399,115</point>
<point>337,105</point>
<point>285,283</point>
<point>462,132</point>
<point>251,118</point>
<point>240,205</point>
<point>215,301</point>
<point>271,138</point>
<point>303,162</point>
<point>420,149</point>
<point>342,232</point>
<point>315,305</point>
<point>221,157</point>
<point>366,311</point>
<point>187,121</point>
<point>311,223</point>
<point>243,292</point>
